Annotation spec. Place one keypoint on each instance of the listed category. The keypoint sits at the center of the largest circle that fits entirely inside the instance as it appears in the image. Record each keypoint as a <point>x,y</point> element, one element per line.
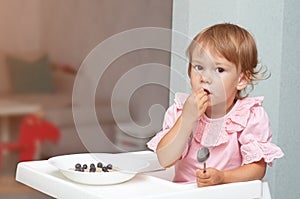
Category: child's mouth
<point>207,91</point>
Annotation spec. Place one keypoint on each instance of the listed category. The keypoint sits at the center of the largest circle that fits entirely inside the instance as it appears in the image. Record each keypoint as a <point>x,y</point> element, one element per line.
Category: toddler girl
<point>218,114</point>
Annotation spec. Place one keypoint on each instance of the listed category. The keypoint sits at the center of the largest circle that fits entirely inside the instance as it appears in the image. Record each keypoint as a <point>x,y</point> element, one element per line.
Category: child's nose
<point>205,77</point>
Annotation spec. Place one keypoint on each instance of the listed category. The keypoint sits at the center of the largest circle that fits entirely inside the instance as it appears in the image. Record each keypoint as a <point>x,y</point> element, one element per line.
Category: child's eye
<point>198,67</point>
<point>220,70</point>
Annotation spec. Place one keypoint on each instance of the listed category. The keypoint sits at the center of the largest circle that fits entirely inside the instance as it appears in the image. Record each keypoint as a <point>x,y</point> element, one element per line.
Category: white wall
<point>287,171</point>
<point>278,49</point>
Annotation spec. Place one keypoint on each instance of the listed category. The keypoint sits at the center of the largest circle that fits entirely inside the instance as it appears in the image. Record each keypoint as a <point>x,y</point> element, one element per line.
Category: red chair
<point>33,130</point>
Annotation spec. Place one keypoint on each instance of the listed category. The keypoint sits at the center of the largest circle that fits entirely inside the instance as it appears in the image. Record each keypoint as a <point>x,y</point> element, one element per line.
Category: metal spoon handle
<point>204,167</point>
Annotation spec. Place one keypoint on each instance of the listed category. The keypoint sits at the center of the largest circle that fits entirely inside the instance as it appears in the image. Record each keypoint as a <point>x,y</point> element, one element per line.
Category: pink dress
<point>242,136</point>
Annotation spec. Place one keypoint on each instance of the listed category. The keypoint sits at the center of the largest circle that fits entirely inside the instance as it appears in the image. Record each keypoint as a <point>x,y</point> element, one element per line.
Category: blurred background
<point>42,46</point>
<point>44,42</point>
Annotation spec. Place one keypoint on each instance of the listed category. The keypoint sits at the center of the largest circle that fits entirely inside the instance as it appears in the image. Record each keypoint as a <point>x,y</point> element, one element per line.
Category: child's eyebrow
<point>223,63</point>
<point>219,63</point>
<point>196,62</point>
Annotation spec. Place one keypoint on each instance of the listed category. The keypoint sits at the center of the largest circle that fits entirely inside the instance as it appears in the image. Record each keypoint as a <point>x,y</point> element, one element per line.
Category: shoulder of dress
<point>238,119</point>
<point>251,102</point>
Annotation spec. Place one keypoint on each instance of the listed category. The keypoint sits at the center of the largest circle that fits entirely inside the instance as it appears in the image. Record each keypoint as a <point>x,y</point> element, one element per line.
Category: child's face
<point>220,78</point>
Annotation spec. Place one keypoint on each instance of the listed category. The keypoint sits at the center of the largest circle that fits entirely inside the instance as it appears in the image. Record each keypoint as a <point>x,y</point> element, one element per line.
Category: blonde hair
<point>236,45</point>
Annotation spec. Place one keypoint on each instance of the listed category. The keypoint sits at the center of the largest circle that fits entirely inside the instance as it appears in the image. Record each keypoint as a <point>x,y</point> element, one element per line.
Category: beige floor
<point>9,187</point>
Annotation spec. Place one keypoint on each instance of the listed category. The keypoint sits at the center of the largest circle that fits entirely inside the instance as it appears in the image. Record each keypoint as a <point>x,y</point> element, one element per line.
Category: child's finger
<point>202,98</point>
<point>200,174</point>
<point>200,92</point>
<point>203,181</point>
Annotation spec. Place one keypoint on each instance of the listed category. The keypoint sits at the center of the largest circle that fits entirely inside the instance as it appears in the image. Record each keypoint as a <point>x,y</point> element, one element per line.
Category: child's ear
<point>243,82</point>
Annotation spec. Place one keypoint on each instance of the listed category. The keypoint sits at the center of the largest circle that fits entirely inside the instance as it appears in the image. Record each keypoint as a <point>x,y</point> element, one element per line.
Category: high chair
<point>33,130</point>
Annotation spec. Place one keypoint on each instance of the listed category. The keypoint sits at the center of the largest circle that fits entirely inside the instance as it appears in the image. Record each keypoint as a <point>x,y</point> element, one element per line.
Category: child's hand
<point>210,177</point>
<point>195,105</point>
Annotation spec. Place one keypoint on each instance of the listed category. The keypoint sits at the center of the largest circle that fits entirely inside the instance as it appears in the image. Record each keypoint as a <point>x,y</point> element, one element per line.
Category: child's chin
<point>214,103</point>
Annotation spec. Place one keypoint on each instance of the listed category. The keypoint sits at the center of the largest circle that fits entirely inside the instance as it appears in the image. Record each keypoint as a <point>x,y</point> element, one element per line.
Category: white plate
<point>127,167</point>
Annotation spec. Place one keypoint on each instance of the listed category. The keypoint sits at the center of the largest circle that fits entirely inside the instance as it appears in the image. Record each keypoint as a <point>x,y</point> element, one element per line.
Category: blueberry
<point>99,165</point>
<point>104,169</point>
<point>81,169</point>
<point>109,166</point>
<point>92,166</point>
<point>92,169</point>
<point>77,166</point>
<point>84,166</point>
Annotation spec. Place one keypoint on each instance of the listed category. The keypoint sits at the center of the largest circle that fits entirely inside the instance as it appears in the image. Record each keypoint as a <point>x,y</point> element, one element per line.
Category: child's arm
<point>171,146</point>
<point>247,172</point>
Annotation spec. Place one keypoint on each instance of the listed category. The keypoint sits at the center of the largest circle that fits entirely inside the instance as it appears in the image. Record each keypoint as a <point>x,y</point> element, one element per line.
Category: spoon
<point>202,156</point>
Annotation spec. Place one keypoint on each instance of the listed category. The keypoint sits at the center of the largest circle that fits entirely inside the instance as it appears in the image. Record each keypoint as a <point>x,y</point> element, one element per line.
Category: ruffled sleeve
<point>171,116</point>
<point>256,137</point>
